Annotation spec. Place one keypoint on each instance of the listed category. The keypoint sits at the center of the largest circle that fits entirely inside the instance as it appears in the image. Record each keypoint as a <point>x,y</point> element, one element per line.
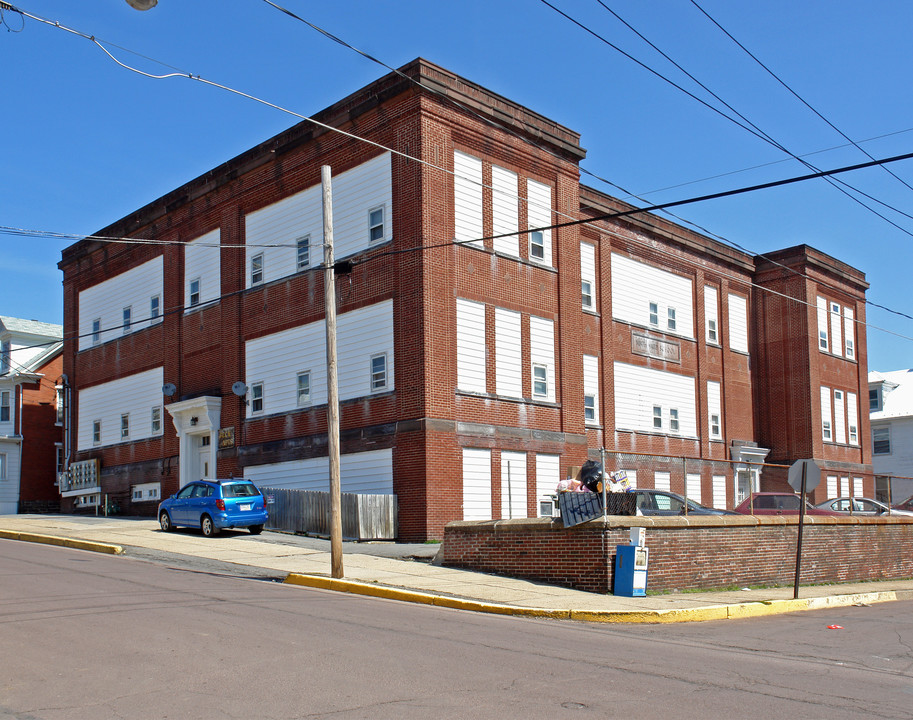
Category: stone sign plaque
<point>656,348</point>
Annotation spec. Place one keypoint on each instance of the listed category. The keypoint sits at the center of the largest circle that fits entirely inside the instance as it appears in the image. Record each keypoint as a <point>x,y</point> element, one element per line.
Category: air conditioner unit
<point>548,507</point>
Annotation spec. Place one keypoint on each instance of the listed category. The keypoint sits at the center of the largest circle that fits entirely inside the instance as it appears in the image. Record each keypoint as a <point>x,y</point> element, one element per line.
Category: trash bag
<point>591,476</point>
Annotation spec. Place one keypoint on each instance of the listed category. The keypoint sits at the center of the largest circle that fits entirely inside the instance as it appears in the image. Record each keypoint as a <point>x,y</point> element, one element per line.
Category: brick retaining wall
<point>687,553</point>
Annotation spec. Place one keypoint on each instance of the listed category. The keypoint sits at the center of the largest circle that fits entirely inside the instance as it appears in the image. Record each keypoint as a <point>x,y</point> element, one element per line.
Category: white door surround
<point>192,420</point>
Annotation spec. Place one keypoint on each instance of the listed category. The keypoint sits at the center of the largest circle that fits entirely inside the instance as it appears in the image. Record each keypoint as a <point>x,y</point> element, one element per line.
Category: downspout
<point>65,382</point>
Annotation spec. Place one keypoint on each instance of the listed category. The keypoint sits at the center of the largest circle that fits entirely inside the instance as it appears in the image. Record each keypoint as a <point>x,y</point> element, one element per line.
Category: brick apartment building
<point>472,374</point>
<point>31,415</point>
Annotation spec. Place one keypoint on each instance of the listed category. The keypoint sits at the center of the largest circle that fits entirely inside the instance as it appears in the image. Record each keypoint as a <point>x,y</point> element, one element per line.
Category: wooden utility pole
<point>329,295</point>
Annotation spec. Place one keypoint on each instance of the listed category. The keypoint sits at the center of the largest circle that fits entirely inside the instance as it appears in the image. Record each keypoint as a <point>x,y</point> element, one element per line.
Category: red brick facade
<point>427,421</point>
<point>42,436</point>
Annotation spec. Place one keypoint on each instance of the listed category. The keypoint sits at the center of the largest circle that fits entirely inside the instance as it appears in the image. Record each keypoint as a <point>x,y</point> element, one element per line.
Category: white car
<point>861,506</point>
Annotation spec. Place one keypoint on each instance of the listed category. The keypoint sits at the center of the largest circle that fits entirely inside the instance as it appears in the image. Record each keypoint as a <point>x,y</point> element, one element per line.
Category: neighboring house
<point>31,418</point>
<point>472,376</point>
<point>891,416</point>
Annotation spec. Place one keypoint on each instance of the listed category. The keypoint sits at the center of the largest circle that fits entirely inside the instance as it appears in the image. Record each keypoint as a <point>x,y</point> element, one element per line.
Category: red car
<point>774,503</point>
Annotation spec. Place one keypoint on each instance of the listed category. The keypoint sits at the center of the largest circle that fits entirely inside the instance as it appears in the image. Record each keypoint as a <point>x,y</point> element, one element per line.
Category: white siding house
<point>891,417</point>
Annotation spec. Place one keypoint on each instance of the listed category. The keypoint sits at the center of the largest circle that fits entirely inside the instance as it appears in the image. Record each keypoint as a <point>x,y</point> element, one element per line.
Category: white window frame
<point>155,308</point>
<point>6,351</point>
<point>654,314</point>
<point>586,294</point>
<point>852,418</point>
<point>303,399</point>
<point>540,380</point>
<point>125,426</point>
<point>6,406</point>
<point>670,319</point>
<point>589,409</point>
<point>3,464</point>
<point>127,316</point>
<point>674,422</point>
<point>373,225</point>
<point>827,432</point>
<point>96,331</point>
<point>537,246</point>
<point>849,334</point>
<point>588,275</point>
<point>590,389</point>
<point>194,297</point>
<point>303,248</point>
<point>156,420</point>
<point>886,431</point>
<point>657,417</point>
<point>823,328</point>
<point>96,432</point>
<point>257,397</point>
<point>378,377</point>
<point>711,315</point>
<point>257,269</point>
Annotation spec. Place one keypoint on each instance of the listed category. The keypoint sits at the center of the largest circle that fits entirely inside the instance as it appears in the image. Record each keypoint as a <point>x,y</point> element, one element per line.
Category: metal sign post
<point>804,475</point>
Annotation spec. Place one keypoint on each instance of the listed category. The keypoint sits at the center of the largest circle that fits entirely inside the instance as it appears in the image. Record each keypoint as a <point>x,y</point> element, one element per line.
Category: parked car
<point>214,505</point>
<point>904,505</point>
<point>662,502</point>
<point>774,503</point>
<point>861,506</point>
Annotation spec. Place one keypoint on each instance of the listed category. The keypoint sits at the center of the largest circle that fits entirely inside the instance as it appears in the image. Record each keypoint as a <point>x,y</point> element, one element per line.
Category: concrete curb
<point>712,612</point>
<point>63,542</point>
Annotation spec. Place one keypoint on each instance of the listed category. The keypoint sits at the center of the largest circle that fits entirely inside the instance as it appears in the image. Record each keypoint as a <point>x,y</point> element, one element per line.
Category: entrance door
<point>743,485</point>
<point>204,457</point>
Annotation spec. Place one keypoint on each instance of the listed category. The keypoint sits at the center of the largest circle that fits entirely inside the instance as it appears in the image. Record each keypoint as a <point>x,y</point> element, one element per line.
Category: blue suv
<point>213,505</point>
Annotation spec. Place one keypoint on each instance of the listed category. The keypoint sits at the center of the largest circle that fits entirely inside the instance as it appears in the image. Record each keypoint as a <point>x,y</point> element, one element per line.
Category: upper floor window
<point>128,315</point>
<point>654,314</point>
<point>157,420</point>
<point>874,399</point>
<point>256,397</point>
<point>96,331</point>
<point>5,406</point>
<point>589,407</point>
<point>536,245</point>
<point>304,388</point>
<point>881,441</point>
<point>376,224</point>
<point>2,466</point>
<point>657,417</point>
<point>379,372</point>
<point>256,269</point>
<point>96,432</point>
<point>587,294</point>
<point>303,258</point>
<point>59,403</point>
<point>155,307</point>
<point>195,292</point>
<point>673,420</point>
<point>670,318</point>
<point>5,360</point>
<point>125,426</point>
<point>540,380</point>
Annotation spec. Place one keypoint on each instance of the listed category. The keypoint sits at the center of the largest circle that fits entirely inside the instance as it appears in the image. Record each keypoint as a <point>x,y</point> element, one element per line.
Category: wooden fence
<point>364,517</point>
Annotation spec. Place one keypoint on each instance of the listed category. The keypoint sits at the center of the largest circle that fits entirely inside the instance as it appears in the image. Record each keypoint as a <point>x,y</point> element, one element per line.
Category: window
<point>376,224</point>
<point>881,441</point>
<point>711,314</point>
<point>715,429</point>
<point>670,321</point>
<point>157,420</point>
<point>194,292</point>
<point>826,428</point>
<point>654,314</point>
<point>587,294</point>
<point>128,314</point>
<point>536,245</point>
<point>712,336</point>
<point>5,351</point>
<point>873,400</point>
<point>96,432</point>
<point>304,388</point>
<point>657,417</point>
<point>155,307</point>
<point>5,406</point>
<point>256,397</point>
<point>125,426</point>
<point>96,331</point>
<point>589,407</point>
<point>304,252</point>
<point>59,458</point>
<point>59,403</point>
<point>849,334</point>
<point>379,372</point>
<point>540,380</point>
<point>673,420</point>
<point>2,466</point>
<point>256,269</point>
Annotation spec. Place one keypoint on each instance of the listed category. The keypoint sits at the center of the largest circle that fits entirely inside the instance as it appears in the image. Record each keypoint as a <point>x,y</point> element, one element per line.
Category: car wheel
<point>165,522</point>
<point>255,529</point>
<point>208,526</point>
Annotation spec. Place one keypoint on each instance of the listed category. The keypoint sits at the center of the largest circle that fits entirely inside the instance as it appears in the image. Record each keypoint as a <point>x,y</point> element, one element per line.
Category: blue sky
<point>85,141</point>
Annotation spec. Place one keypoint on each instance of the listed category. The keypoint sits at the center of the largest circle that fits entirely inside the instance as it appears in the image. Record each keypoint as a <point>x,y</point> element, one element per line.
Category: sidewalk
<point>391,571</point>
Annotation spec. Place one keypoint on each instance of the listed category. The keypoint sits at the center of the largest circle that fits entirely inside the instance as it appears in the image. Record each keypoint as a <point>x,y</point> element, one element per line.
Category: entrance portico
<point>197,423</point>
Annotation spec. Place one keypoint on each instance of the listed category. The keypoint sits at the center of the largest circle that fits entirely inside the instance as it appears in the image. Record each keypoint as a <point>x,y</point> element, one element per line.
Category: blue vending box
<point>631,570</point>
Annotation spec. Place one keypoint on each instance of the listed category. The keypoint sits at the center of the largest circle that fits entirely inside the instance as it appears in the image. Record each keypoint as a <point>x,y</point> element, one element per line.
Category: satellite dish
<point>239,389</point>
<point>169,389</point>
<point>142,4</point>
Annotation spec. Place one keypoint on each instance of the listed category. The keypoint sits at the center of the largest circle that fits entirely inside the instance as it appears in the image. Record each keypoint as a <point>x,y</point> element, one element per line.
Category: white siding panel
<point>827,427</point>
<point>713,408</point>
<point>203,261</point>
<point>662,480</point>
<point>134,394</point>
<point>832,486</point>
<point>852,415</point>
<point>639,389</point>
<point>366,473</point>
<point>719,492</point>
<point>355,193</point>
<point>849,335</point>
<point>513,485</point>
<point>539,214</point>
<point>542,350</point>
<point>693,487</point>
<point>738,323</point>
<point>470,346</point>
<point>839,418</point>
<point>508,353</point>
<point>635,285</point>
<point>476,484</point>
<point>588,273</point>
<point>9,488</point>
<point>844,487</point>
<point>591,384</point>
<point>467,198</point>
<point>823,336</point>
<point>836,330</point>
<point>548,474</point>
<point>857,487</point>
<point>107,300</point>
<point>275,360</point>
<point>711,313</point>
<point>505,210</point>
